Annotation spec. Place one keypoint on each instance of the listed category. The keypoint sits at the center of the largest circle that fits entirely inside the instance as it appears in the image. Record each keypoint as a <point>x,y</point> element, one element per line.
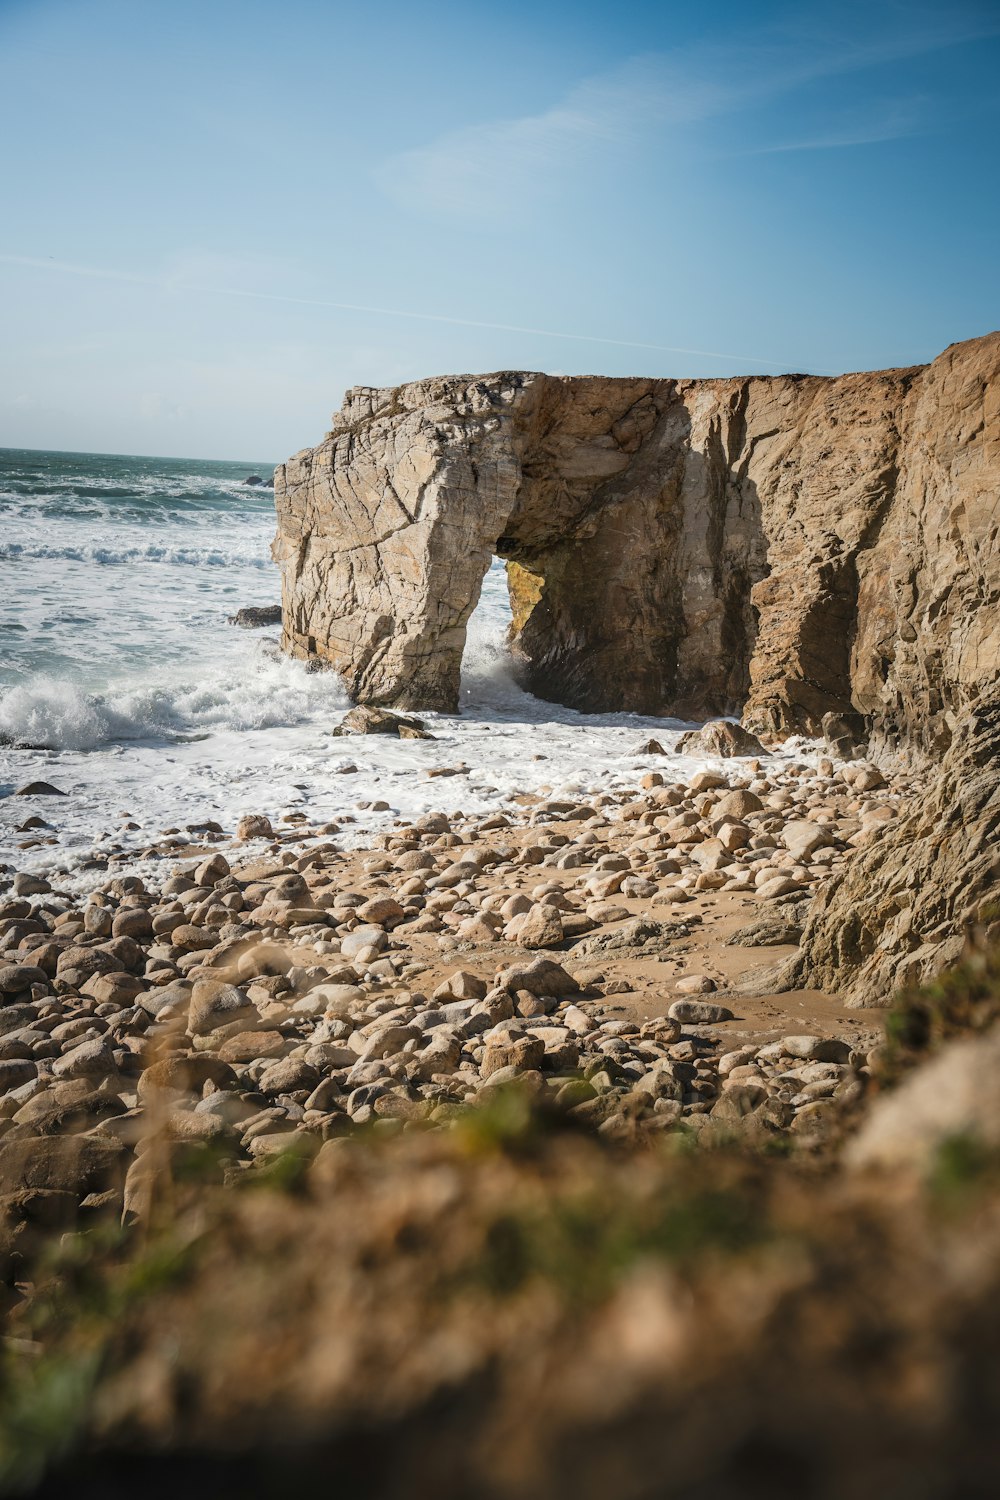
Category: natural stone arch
<point>787,546</point>
<point>590,489</point>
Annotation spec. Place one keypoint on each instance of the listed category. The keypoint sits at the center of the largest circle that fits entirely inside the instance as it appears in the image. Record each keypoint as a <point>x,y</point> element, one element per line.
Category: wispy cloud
<point>172,284</point>
<point>493,171</point>
<point>894,124</point>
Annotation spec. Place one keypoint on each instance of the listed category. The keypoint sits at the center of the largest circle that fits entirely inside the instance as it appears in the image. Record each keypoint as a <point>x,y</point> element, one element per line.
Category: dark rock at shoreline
<point>255,481</point>
<point>39,789</point>
<point>256,616</point>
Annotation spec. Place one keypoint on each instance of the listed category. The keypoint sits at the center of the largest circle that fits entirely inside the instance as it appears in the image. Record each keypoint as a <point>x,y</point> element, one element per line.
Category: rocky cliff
<point>903,906</point>
<point>782,547</point>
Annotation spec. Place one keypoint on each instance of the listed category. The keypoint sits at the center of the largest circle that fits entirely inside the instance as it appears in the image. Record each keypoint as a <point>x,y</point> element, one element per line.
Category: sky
<point>219,215</point>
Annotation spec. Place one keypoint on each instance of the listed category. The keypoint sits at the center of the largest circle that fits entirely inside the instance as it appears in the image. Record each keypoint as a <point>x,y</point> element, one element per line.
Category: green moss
<point>962,1000</point>
<point>44,1409</point>
<point>964,1171</point>
<point>584,1245</point>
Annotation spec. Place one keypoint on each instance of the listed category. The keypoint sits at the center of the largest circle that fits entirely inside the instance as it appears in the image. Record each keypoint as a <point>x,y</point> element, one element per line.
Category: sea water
<point>122,682</point>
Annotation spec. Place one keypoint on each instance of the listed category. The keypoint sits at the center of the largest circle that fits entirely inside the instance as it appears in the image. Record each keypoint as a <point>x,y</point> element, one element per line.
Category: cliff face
<point>781,547</point>
<point>902,907</point>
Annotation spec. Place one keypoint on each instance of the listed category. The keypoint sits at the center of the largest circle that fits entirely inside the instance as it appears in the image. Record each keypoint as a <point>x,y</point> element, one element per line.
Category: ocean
<point>122,683</point>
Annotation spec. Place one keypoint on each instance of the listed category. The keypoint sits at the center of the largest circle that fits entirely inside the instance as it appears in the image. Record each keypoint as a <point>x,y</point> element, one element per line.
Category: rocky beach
<point>547,1084</point>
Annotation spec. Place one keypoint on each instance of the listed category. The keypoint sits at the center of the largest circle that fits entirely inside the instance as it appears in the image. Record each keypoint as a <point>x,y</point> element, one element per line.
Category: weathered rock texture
<point>786,547</point>
<point>901,908</point>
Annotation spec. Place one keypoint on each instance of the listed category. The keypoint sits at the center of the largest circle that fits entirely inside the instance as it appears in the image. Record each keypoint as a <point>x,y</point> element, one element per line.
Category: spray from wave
<point>268,691</point>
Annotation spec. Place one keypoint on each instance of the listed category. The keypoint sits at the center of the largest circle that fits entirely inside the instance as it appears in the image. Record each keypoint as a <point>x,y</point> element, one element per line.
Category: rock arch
<point>783,546</point>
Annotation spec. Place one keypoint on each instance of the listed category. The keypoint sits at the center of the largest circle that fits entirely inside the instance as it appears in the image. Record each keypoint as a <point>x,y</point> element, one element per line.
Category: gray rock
<point>214,1004</point>
<point>361,938</point>
<point>641,934</point>
<point>768,932</point>
<point>288,1076</point>
<point>698,1012</point>
<point>15,979</point>
<point>91,1059</point>
<point>822,1049</point>
<point>15,1072</point>
<point>720,737</point>
<point>256,616</point>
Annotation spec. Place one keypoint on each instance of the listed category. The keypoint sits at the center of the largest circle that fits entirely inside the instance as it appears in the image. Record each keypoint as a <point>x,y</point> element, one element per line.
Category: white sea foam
<point>261,692</point>
<point>52,715</point>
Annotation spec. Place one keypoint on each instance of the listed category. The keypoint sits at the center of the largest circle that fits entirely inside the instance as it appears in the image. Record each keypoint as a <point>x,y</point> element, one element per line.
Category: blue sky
<point>220,215</point>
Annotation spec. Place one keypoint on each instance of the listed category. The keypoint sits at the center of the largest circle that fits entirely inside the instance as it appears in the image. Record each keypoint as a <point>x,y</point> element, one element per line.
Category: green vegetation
<point>962,1000</point>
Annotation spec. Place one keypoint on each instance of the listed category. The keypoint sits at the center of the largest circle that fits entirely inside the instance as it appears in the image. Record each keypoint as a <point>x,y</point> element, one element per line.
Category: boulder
<point>720,737</point>
<point>542,976</point>
<point>802,838</point>
<point>215,1004</point>
<point>540,927</point>
<point>364,720</point>
<point>735,806</point>
<point>699,1012</point>
<point>16,979</point>
<point>521,1053</point>
<point>76,1164</point>
<point>256,617</point>
<point>254,826</point>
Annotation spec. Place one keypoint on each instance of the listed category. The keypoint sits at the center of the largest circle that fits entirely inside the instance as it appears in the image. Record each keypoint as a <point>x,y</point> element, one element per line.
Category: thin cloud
<point>898,124</point>
<point>491,171</point>
<point>171,285</point>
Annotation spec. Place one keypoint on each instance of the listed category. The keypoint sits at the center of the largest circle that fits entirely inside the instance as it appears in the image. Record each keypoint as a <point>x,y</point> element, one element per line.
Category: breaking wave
<point>55,714</point>
<point>212,557</point>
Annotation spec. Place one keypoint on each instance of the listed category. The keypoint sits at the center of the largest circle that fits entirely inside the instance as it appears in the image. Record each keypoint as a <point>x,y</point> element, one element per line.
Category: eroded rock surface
<point>899,911</point>
<point>791,546</point>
